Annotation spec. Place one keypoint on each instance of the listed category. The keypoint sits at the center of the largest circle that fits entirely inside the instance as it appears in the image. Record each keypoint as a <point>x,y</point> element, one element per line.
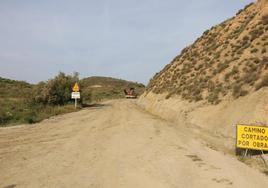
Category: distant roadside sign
<point>75,95</point>
<point>76,87</point>
<point>252,137</point>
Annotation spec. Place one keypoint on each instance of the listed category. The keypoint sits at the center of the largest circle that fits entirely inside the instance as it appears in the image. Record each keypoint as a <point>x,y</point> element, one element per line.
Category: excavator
<point>130,93</point>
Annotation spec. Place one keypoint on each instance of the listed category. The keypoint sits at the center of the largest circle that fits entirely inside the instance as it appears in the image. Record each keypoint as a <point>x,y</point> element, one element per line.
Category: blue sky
<point>128,39</point>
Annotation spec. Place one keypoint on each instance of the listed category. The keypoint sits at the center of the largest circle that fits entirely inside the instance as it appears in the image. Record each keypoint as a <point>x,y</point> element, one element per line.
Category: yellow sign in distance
<point>76,87</point>
<point>252,137</point>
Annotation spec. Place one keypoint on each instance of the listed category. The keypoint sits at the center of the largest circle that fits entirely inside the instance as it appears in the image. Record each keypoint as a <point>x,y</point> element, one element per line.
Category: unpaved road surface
<point>115,145</point>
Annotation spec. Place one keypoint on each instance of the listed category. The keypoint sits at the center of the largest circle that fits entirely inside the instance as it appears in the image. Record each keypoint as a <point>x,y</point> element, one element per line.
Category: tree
<point>56,91</point>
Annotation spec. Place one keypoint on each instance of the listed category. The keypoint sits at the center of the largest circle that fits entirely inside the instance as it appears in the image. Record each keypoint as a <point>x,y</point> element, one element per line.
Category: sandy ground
<point>115,145</point>
<point>215,123</point>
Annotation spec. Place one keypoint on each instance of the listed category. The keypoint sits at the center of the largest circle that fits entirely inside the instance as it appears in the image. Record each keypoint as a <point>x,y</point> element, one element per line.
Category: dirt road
<point>115,145</point>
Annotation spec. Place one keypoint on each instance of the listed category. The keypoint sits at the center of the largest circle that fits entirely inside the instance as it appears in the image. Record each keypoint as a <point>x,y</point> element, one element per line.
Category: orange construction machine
<point>130,93</point>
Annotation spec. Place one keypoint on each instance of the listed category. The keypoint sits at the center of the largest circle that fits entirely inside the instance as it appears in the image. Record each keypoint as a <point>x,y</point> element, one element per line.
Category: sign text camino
<point>252,137</point>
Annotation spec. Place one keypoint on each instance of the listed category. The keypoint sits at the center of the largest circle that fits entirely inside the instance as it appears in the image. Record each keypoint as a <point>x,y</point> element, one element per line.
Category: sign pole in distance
<point>252,137</point>
<point>76,94</point>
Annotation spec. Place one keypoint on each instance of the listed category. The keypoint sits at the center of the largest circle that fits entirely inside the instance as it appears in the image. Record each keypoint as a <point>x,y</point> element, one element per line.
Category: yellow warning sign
<point>76,87</point>
<point>252,137</point>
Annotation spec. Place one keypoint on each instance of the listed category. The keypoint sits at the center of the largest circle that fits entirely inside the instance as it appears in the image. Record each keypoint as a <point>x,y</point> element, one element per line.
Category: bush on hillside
<point>238,91</point>
<point>265,19</point>
<point>4,117</point>
<point>86,96</point>
<point>213,97</point>
<point>263,83</point>
<point>255,50</point>
<point>56,91</point>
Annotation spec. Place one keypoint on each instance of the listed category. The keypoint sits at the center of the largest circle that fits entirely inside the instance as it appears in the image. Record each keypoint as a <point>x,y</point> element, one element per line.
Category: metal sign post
<point>263,158</point>
<point>75,96</point>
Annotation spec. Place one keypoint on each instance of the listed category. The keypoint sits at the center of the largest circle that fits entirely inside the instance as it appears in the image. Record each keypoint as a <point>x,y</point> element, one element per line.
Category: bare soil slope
<point>216,124</point>
<point>116,144</point>
<point>218,81</point>
<point>229,59</point>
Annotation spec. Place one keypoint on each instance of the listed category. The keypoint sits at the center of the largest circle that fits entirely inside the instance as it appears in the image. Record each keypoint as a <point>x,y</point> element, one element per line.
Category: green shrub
<point>233,72</point>
<point>250,78</point>
<point>198,97</point>
<point>213,97</point>
<point>245,38</point>
<point>265,19</point>
<point>263,83</point>
<point>238,91</point>
<point>4,117</point>
<point>168,95</point>
<point>31,118</point>
<point>256,61</point>
<point>254,50</point>
<point>56,91</point>
<point>255,33</point>
<point>222,66</point>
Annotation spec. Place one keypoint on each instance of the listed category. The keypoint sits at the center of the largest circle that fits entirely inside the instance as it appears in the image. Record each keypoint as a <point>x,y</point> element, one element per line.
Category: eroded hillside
<point>230,59</point>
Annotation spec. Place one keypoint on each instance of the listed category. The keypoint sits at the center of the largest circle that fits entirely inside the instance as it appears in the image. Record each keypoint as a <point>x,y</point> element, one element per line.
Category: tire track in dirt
<point>116,145</point>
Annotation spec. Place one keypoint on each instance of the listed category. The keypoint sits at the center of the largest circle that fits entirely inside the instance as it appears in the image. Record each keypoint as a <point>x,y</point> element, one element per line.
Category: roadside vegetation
<point>21,102</point>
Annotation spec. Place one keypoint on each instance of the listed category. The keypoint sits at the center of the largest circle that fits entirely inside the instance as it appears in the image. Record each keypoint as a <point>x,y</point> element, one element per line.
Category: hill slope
<point>13,89</point>
<point>18,106</point>
<point>12,100</point>
<point>229,59</point>
<point>108,88</point>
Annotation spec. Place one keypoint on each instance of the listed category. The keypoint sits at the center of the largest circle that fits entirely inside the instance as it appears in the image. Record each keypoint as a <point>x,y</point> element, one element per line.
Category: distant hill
<point>14,89</point>
<point>13,96</point>
<point>108,88</point>
<point>17,104</point>
<point>230,59</point>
